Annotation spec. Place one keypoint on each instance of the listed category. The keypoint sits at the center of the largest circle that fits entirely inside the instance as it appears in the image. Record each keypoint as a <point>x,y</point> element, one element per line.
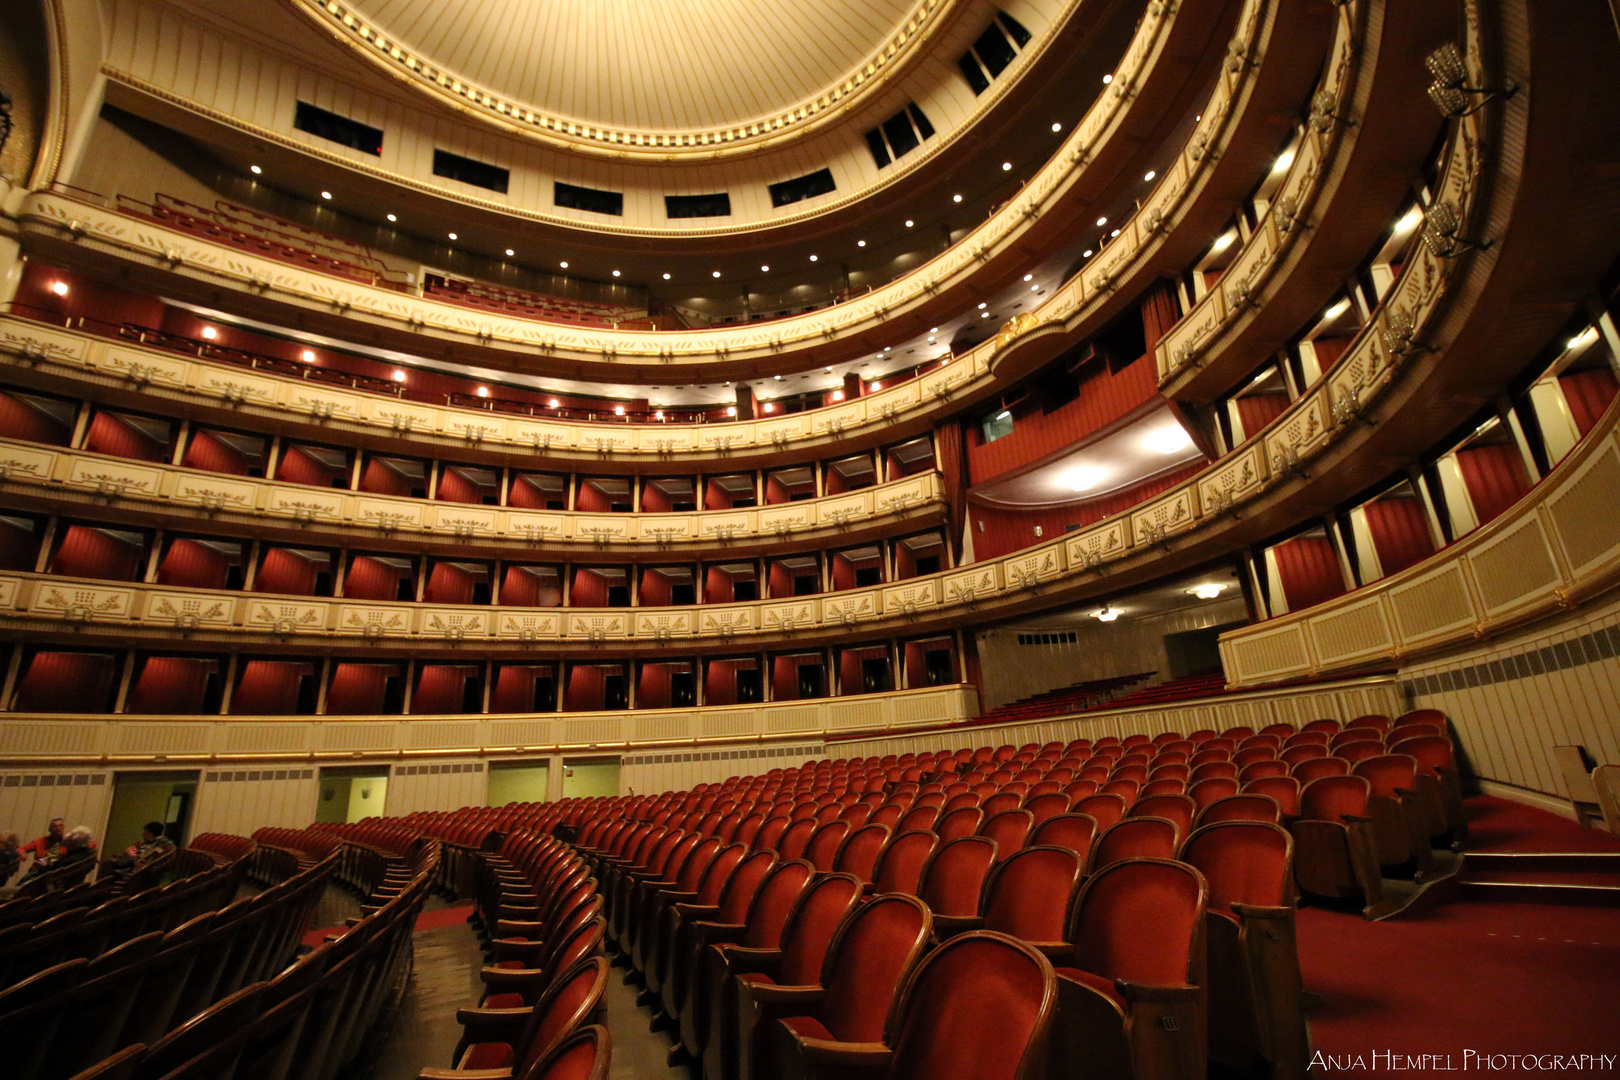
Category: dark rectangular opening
<point>480,592</point>
<point>807,585</point>
<point>545,695</point>
<point>744,590</point>
<point>924,128</point>
<point>613,692</point>
<point>937,667</point>
<point>393,695</point>
<point>902,137</point>
<point>339,129</point>
<point>698,206</point>
<point>472,694</point>
<point>928,564</point>
<point>880,152</point>
<point>618,596</point>
<point>799,188</point>
<point>867,576</point>
<point>874,675</point>
<point>748,687</point>
<point>477,173</point>
<point>588,199</point>
<point>810,679</point>
<point>994,50</point>
<point>307,692</point>
<point>682,594</point>
<point>682,689</point>
<point>405,590</point>
<point>1014,28</point>
<point>968,64</point>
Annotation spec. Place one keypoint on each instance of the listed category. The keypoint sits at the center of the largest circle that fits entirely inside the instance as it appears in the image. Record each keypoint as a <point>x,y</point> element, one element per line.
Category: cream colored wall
<point>29,798</point>
<point>1512,700</point>
<point>523,783</point>
<point>587,780</point>
<point>653,774</point>
<point>436,785</point>
<point>1013,671</point>
<point>368,797</point>
<point>240,800</point>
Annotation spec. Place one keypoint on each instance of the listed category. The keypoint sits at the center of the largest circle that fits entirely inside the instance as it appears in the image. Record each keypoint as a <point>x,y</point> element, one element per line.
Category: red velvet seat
<point>825,843</point>
<point>1044,806</point>
<point>1002,800</point>
<point>859,852</point>
<point>1207,754</point>
<point>586,1055</point>
<point>1438,783</point>
<point>1104,808</point>
<point>1207,791</point>
<point>964,821</point>
<point>1256,770</point>
<point>954,879</point>
<point>1249,807</point>
<point>1372,721</point>
<point>1327,726</point>
<point>1009,829</point>
<point>1134,838</point>
<point>1317,767</point>
<point>921,817</point>
<point>516,1039</point>
<point>1256,996</point>
<point>1167,786</point>
<point>1131,999</point>
<point>1211,769</point>
<point>1027,896</point>
<point>1179,810</point>
<point>1076,832</point>
<point>1399,821</point>
<point>900,864</point>
<point>709,918</point>
<point>1127,789</point>
<point>796,838</point>
<point>1359,751</point>
<point>872,952</point>
<point>1334,854</point>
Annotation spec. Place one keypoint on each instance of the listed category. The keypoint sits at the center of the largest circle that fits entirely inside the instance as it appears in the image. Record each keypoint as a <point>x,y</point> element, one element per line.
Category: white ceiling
<point>1141,449</point>
<point>648,65</point>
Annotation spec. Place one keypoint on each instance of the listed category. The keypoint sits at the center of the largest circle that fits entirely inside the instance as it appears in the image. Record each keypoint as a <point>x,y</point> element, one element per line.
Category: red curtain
<point>1588,393</point>
<point>59,682</point>
<point>1103,398</point>
<point>525,496</point>
<point>1258,410</point>
<point>448,584</point>
<point>298,467</point>
<point>720,683</point>
<point>171,684</point>
<point>954,473</point>
<point>87,552</point>
<point>455,487</point>
<point>586,685</point>
<point>1160,311</point>
<point>785,678</point>
<point>1012,530</point>
<point>110,434</point>
<point>520,588</point>
<point>514,687</point>
<point>1328,351</point>
<point>1400,535</point>
<point>20,420</point>
<point>441,688</point>
<point>287,572</point>
<point>192,565</point>
<point>372,579</point>
<point>590,589</point>
<point>655,589</point>
<point>359,689</point>
<point>204,451</point>
<point>380,478</point>
<point>652,690</point>
<point>269,687</point>
<point>1495,478</point>
<point>843,573</point>
<point>1309,571</point>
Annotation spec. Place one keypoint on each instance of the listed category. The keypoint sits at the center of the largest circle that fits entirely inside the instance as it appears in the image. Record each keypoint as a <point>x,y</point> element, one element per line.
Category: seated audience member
<point>76,846</point>
<point>47,847</point>
<point>153,845</point>
<point>10,857</point>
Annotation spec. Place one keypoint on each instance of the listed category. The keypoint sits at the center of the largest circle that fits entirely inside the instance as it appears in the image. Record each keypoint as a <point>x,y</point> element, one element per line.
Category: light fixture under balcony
<point>393,217</point>
<point>1107,614</point>
<point>60,288</point>
<point>1168,440</point>
<point>877,385</point>
<point>1223,241</point>
<point>307,356</point>
<point>483,391</point>
<point>767,408</point>
<point>1582,339</point>
<point>838,395</point>
<point>1284,160</point>
<point>553,403</point>
<point>510,252</point>
<point>1209,590</point>
<point>326,194</point>
<point>731,410</point>
<point>618,410</point>
<point>1150,175</point>
<point>399,376</point>
<point>255,170</point>
<point>1083,478</point>
<point>1450,91</point>
<point>210,333</point>
<point>1336,310</point>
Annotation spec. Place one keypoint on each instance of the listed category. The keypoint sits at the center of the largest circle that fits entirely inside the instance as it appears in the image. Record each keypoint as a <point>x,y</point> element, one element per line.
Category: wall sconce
<point>1450,91</point>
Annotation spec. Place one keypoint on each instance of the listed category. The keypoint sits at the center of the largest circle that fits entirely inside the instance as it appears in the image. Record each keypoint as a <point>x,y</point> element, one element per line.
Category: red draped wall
<point>590,589</point>
<point>514,687</point>
<point>1258,410</point>
<point>456,488</point>
<point>1495,478</point>
<point>585,688</point>
<point>1309,571</point>
<point>378,478</point>
<point>297,467</point>
<point>955,473</point>
<point>269,687</point>
<point>20,420</point>
<point>359,689</point>
<point>1011,530</point>
<point>110,435</point>
<point>1160,311</point>
<point>204,451</point>
<point>1399,532</point>
<point>448,584</point>
<point>191,565</point>
<point>372,579</point>
<point>652,689</point>
<point>282,571</point>
<point>86,552</point>
<point>440,688</point>
<point>519,588</point>
<point>1588,393</point>
<point>67,682</point>
<point>171,684</point>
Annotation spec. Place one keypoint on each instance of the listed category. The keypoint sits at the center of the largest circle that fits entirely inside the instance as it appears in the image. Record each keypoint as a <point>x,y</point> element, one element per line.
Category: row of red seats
<point>1069,699</point>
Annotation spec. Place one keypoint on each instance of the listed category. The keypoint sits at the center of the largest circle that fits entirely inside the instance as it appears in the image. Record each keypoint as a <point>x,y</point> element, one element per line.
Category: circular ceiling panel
<point>642,76</point>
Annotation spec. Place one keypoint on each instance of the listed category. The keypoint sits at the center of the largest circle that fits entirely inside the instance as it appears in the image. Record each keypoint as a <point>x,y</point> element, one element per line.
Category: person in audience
<point>10,857</point>
<point>75,846</point>
<point>47,847</point>
<point>153,845</point>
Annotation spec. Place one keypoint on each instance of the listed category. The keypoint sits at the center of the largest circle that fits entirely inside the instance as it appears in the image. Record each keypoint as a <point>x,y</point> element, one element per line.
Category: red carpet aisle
<point>1497,978</point>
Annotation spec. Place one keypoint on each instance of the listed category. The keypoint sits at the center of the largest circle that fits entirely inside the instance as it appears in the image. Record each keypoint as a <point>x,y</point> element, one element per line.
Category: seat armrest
<point>696,911</point>
<point>803,998</point>
<point>742,960</point>
<point>1156,993</point>
<point>675,896</point>
<point>847,1055</point>
<point>1259,911</point>
<point>513,977</point>
<point>483,1020</point>
<point>464,1074</point>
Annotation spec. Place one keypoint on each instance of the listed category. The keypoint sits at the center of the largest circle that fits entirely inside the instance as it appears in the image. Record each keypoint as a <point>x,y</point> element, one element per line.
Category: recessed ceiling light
<point>1083,478</point>
<point>829,371</point>
<point>210,333</point>
<point>860,243</point>
<point>876,385</point>
<point>983,305</point>
<point>1034,288</point>
<point>778,378</point>
<point>1207,591</point>
<point>1150,174</point>
<point>553,403</point>
<point>1409,220</point>
<point>930,339</point>
<point>1170,439</point>
<point>399,376</point>
<point>326,194</point>
<point>60,288</point>
<point>1101,222</point>
<point>615,273</point>
<point>618,410</point>
<point>731,410</point>
<point>1284,159</point>
<point>1029,277</point>
<point>933,329</point>
<point>453,236</point>
<point>838,395</point>
<point>909,223</point>
<point>813,258</point>
<point>984,314</point>
<point>1057,127</point>
<point>764,269</point>
<point>563,264</point>
<point>659,415</point>
<point>1113,234</point>
<point>483,391</point>
<point>717,273</point>
<point>1006,166</point>
<point>392,217</point>
<point>666,277</point>
<point>1223,241</point>
<point>1107,79</point>
<point>307,356</point>
<point>956,198</point>
<point>509,251</point>
<point>255,170</point>
<point>1582,339</point>
<point>1108,614</point>
<point>1086,254</point>
<point>1337,309</point>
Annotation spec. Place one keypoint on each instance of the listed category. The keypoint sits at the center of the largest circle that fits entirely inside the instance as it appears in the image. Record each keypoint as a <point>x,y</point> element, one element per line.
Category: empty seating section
<point>527,305</point>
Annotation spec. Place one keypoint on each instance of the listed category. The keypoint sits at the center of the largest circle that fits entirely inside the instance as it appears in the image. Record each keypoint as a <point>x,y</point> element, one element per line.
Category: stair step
<point>1543,893</point>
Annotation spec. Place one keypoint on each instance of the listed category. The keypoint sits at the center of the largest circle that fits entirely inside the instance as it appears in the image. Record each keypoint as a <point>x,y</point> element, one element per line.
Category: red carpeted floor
<point>1481,976</point>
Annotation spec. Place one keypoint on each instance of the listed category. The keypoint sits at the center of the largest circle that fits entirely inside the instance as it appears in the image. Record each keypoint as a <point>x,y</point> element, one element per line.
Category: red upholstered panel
<point>1431,752</point>
<point>91,553</point>
<point>1135,838</point>
<point>269,687</point>
<point>519,588</point>
<point>1029,896</point>
<point>514,688</point>
<point>359,689</point>
<point>1332,797</point>
<point>1178,809</point>
<point>1400,533</point>
<point>20,420</point>
<point>1136,922</point>
<point>1104,808</point>
<point>298,467</point>
<point>874,954</point>
<point>1318,767</point>
<point>1389,774</point>
<point>1495,478</point>
<point>1258,410</point>
<point>192,565</point>
<point>1588,393</point>
<point>66,682</point>
<point>380,478</point>
<point>590,589</point>
<point>370,578</point>
<point>1251,807</point>
<point>901,865</point>
<point>448,584</point>
<point>489,1055</point>
<point>653,686</point>
<point>284,571</point>
<point>205,451</point>
<point>585,687</point>
<point>1284,789</point>
<point>456,488</point>
<point>439,687</point>
<point>109,434</point>
<point>953,879</point>
<point>972,1012</point>
<point>1309,571</point>
<point>768,914</point>
<point>1008,829</point>
<point>820,911</point>
<point>170,684</point>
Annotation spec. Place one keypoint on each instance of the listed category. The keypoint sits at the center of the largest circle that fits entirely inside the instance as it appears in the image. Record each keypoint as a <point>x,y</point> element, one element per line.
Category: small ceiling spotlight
<point>838,395</point>
<point>615,273</point>
<point>909,223</point>
<point>778,378</point>
<point>1086,254</point>
<point>1107,79</point>
<point>1083,478</point>
<point>510,252</point>
<point>210,333</point>
<point>717,273</point>
<point>1336,310</point>
<point>308,357</point>
<point>666,276</point>
<point>1029,277</point>
<point>1101,222</point>
<point>563,264</point>
<point>1583,339</point>
<point>764,269</point>
<point>983,305</point>
<point>1107,614</point>
<point>956,198</point>
<point>1006,166</point>
<point>1284,160</point>
<point>1207,591</point>
<point>767,407</point>
<point>813,258</point>
<point>255,170</point>
<point>483,391</point>
<point>453,236</point>
<point>1223,241</point>
<point>1150,175</point>
<point>731,410</point>
<point>876,385</point>
<point>618,410</point>
<point>553,403</point>
<point>393,217</point>
<point>326,194</point>
<point>60,288</point>
<point>658,415</point>
<point>860,243</point>
<point>399,376</point>
<point>1056,128</point>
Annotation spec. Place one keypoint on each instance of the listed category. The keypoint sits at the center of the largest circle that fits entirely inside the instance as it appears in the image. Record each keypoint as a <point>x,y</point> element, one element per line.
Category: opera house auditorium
<point>840,540</point>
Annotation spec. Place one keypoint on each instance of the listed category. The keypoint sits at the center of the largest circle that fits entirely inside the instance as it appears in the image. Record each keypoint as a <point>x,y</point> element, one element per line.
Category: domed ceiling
<point>644,76</point>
